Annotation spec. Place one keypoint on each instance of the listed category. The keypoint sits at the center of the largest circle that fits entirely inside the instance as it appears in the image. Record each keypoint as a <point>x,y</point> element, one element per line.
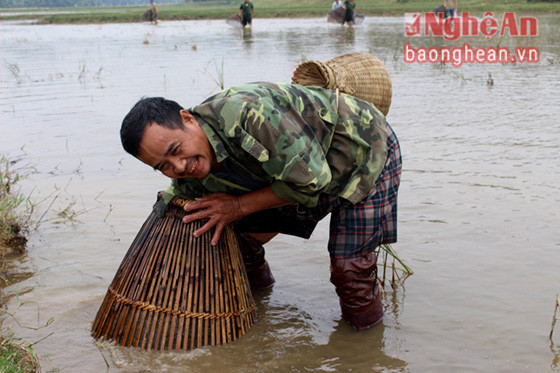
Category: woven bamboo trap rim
<point>361,75</point>
<point>176,292</point>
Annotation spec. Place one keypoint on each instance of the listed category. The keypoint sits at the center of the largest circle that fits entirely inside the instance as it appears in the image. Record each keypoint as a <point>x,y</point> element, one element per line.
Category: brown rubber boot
<point>358,290</point>
<point>259,273</point>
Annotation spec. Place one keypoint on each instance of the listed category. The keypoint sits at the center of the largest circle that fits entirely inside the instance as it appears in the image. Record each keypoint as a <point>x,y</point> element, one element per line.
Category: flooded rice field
<point>479,200</point>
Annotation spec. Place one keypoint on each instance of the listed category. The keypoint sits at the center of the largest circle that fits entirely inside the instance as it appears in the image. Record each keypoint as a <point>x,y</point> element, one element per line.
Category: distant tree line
<point>76,3</point>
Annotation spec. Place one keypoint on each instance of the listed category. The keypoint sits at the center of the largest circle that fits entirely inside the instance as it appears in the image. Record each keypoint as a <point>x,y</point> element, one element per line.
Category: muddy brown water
<point>479,199</point>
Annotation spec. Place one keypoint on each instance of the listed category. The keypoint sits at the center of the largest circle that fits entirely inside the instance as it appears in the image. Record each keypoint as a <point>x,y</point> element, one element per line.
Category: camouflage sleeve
<point>273,130</point>
<point>293,158</point>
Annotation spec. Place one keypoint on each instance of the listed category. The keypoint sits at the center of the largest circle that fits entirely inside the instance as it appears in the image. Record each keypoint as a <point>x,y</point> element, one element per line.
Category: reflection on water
<point>478,201</point>
<point>247,35</point>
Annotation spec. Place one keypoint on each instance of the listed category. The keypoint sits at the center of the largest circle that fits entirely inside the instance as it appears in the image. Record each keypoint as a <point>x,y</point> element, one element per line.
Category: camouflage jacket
<point>303,141</point>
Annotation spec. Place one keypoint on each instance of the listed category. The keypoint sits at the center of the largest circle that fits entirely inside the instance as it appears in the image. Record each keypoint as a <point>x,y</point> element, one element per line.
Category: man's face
<point>177,153</point>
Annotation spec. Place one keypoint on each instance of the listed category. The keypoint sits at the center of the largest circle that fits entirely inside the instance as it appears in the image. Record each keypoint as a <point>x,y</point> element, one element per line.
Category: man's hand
<point>221,209</point>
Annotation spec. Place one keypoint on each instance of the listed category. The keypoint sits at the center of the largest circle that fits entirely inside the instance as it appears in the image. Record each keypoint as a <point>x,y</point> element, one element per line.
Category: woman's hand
<point>221,209</point>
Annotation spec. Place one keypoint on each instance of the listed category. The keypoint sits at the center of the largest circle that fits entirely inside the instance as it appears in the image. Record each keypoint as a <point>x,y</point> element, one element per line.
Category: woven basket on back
<point>358,74</point>
<point>176,292</point>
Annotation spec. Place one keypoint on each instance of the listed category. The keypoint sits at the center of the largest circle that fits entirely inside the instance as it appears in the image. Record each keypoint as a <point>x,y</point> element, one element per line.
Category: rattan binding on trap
<point>361,75</point>
<point>176,292</point>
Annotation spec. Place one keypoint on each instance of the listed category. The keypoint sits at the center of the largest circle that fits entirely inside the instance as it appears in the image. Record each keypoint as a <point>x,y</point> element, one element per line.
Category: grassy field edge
<point>263,9</point>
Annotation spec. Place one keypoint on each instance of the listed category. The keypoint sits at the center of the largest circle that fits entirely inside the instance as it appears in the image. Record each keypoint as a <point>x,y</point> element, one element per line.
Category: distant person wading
<point>246,11</point>
<point>350,7</point>
<point>450,8</point>
<point>154,12</point>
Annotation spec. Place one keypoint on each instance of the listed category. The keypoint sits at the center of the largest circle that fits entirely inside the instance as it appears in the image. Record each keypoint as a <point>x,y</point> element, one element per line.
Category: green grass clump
<point>12,219</point>
<point>16,356</point>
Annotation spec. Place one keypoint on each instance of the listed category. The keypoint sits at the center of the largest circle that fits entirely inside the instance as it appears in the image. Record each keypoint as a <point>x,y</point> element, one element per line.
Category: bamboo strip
<point>173,302</point>
<point>135,286</point>
<point>189,294</point>
<point>161,334</point>
<point>229,300</point>
<point>237,285</point>
<point>160,288</point>
<point>172,290</point>
<point>206,294</point>
<point>180,301</point>
<point>196,342</point>
<point>220,337</point>
<point>147,292</point>
<point>212,293</point>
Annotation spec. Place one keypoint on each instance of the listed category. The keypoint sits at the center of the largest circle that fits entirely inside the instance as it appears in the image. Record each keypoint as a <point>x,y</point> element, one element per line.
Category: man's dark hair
<point>148,110</point>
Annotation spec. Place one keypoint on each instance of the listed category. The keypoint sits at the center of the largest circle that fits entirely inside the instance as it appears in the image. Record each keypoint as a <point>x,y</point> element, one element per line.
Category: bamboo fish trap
<point>337,16</point>
<point>358,74</point>
<point>235,20</point>
<point>176,292</point>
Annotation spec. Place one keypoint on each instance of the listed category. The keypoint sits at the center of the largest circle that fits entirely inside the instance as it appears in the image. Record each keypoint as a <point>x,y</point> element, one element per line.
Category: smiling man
<point>179,152</point>
<point>277,158</point>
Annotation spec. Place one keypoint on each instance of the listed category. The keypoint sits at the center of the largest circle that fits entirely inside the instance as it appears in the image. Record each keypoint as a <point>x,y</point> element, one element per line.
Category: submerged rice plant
<point>387,258</point>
